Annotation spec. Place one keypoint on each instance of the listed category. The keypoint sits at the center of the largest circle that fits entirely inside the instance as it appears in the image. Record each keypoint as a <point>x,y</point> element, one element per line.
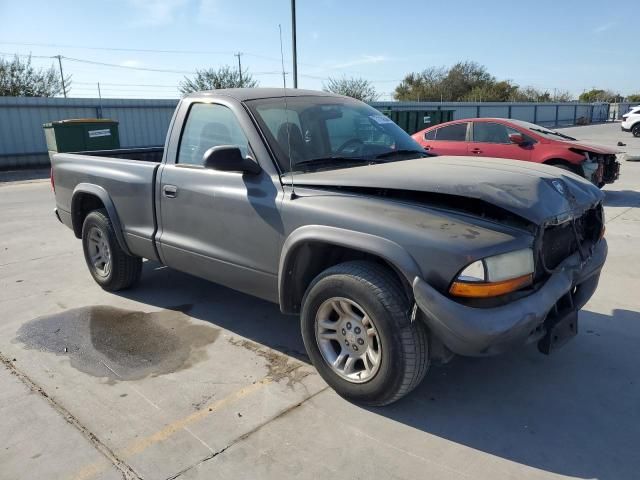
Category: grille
<point>559,241</point>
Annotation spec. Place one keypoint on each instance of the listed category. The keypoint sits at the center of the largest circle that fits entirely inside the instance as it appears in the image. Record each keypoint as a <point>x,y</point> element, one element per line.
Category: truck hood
<point>538,193</point>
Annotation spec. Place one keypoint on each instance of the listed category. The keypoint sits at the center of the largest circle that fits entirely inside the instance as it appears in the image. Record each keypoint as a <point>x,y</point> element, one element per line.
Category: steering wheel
<point>352,141</point>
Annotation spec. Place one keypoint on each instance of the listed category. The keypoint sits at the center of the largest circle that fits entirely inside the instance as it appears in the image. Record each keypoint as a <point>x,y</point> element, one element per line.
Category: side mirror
<point>228,158</point>
<point>516,138</point>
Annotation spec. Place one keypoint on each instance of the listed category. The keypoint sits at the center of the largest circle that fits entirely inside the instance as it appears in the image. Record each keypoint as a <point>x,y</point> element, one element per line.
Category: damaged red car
<point>519,140</point>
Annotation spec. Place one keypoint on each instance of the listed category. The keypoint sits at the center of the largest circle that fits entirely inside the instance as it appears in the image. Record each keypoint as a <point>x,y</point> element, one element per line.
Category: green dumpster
<point>81,134</point>
<point>414,120</point>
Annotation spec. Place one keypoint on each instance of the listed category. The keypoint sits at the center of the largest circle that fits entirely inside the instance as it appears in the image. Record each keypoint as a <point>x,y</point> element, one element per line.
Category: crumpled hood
<point>538,193</point>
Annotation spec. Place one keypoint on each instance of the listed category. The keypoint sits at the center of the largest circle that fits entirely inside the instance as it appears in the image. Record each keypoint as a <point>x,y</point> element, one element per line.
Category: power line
<point>155,85</point>
<point>114,65</point>
<point>168,51</point>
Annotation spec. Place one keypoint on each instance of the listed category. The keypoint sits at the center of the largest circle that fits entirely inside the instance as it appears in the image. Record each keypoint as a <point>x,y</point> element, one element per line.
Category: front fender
<point>103,195</point>
<point>381,247</point>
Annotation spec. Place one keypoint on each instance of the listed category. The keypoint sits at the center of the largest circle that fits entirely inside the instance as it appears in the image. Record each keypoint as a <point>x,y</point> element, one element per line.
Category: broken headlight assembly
<point>495,275</point>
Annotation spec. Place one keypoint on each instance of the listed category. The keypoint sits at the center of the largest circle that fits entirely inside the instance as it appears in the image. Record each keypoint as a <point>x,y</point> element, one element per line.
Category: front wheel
<point>109,265</point>
<point>636,130</point>
<point>356,328</point>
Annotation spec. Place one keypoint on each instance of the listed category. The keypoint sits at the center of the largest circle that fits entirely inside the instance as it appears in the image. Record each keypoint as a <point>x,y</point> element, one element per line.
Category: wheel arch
<point>87,197</point>
<point>311,249</point>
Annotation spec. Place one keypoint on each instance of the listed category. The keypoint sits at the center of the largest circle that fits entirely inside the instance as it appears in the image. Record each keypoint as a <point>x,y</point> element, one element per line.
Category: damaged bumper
<point>485,331</point>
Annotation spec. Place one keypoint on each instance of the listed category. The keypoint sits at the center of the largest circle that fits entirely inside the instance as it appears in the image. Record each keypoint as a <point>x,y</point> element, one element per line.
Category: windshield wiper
<point>402,152</point>
<point>553,132</point>
<point>347,161</point>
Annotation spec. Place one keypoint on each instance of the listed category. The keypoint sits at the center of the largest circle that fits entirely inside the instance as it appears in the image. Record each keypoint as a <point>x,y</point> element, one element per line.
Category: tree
<point>492,92</point>
<point>562,96</point>
<point>599,95</point>
<point>633,98</point>
<point>451,84</point>
<point>468,81</point>
<point>357,88</point>
<point>223,77</point>
<point>425,86</point>
<point>18,78</point>
<point>531,94</point>
<point>466,76</point>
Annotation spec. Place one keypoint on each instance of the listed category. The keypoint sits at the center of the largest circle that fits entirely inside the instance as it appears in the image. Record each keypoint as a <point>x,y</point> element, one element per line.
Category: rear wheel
<point>636,130</point>
<point>356,329</point>
<point>110,266</point>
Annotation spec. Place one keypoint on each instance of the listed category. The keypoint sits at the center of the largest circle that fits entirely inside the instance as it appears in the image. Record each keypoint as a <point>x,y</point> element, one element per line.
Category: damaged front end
<point>599,168</point>
<point>569,251</point>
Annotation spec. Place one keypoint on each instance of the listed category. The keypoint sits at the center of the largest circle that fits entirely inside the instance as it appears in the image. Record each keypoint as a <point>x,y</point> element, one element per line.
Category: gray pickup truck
<point>392,258</point>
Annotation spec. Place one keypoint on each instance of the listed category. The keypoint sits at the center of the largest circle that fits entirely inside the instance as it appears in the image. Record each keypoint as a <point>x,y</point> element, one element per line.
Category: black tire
<point>404,344</point>
<point>636,130</point>
<point>124,270</point>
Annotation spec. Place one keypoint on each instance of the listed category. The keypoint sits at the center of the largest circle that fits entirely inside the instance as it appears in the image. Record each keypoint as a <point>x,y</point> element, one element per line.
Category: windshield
<point>329,132</point>
<point>542,131</point>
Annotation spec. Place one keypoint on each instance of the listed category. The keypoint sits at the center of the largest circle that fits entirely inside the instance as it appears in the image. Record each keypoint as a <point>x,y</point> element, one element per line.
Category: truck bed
<point>145,154</point>
<point>123,179</point>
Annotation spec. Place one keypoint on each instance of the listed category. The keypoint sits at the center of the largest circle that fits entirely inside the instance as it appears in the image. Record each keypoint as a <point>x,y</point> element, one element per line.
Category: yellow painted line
<point>142,444</point>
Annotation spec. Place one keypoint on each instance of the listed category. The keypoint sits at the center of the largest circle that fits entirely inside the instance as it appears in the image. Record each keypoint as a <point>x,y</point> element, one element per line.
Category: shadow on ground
<point>573,413</point>
<point>622,198</point>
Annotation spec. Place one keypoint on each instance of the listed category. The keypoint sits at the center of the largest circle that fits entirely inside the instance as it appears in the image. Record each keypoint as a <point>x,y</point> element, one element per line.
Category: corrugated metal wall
<point>143,123</point>
<point>547,114</point>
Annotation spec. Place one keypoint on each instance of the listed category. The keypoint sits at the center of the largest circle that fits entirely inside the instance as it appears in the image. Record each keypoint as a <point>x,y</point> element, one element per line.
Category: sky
<point>563,44</point>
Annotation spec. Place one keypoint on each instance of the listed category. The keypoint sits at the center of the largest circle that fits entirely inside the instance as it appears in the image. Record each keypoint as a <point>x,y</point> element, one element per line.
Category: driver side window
<point>209,125</point>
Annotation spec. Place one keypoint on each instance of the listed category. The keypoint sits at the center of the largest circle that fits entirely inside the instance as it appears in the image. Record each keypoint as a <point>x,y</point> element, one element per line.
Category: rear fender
<point>103,195</point>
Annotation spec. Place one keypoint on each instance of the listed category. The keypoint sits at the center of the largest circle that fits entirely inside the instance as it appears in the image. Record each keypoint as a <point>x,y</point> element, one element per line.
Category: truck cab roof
<point>243,94</point>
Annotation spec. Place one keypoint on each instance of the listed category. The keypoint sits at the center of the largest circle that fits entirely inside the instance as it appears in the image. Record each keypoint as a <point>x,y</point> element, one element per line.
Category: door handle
<point>170,191</point>
<point>476,150</point>
<point>427,147</point>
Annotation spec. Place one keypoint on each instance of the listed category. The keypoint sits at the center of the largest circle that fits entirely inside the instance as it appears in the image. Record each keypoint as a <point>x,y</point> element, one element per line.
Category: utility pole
<point>64,88</point>
<point>239,54</point>
<point>293,40</point>
<point>100,101</point>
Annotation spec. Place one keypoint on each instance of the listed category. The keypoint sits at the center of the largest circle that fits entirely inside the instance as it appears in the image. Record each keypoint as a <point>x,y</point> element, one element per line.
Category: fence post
<point>557,107</point>
<point>575,113</point>
<point>477,111</point>
<point>509,114</point>
<point>535,113</point>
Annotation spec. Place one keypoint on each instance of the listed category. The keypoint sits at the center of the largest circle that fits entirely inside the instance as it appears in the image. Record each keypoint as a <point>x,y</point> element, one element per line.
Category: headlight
<point>497,275</point>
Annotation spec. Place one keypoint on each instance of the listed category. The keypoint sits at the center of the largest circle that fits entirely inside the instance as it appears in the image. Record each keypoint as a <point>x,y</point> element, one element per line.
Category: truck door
<point>222,226</point>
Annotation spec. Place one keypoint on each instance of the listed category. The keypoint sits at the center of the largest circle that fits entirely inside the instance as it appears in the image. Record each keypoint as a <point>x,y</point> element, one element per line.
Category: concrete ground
<point>180,378</point>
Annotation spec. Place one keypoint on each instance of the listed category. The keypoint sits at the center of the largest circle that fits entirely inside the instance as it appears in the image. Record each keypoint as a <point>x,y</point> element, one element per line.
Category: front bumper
<point>486,331</point>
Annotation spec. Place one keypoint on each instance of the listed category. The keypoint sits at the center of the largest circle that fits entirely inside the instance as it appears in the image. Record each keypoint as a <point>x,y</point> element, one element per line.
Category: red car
<point>507,138</point>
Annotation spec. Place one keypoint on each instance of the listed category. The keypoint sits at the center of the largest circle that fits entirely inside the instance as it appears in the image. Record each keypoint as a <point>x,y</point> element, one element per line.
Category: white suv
<point>631,121</point>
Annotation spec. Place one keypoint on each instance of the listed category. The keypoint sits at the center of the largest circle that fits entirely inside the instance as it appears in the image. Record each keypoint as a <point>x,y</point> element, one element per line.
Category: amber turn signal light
<point>489,289</point>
